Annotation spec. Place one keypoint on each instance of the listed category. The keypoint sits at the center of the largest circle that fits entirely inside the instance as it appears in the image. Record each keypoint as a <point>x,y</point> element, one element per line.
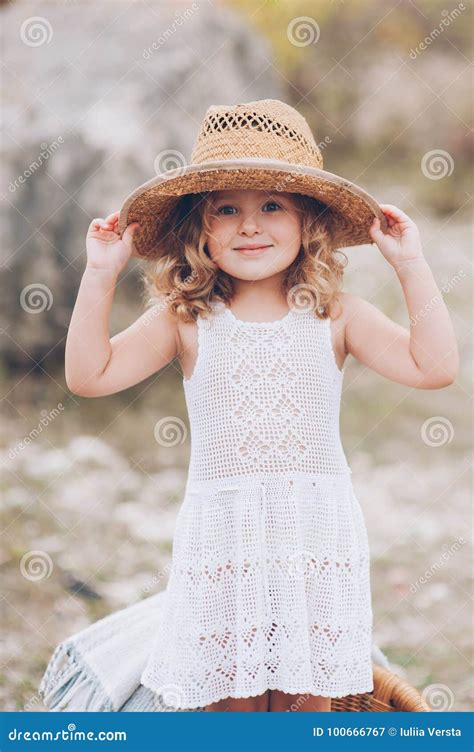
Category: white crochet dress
<point>270,578</point>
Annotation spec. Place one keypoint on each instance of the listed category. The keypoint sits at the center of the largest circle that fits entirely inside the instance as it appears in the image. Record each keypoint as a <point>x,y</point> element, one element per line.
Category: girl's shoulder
<point>340,310</point>
<point>341,304</point>
<point>345,308</point>
<point>355,310</point>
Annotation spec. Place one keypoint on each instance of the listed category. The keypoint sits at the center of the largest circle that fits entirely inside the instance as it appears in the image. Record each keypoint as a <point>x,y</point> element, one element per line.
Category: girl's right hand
<point>105,248</point>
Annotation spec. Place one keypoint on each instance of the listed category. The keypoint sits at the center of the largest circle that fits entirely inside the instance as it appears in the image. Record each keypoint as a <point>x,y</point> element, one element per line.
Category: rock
<point>104,90</point>
<point>78,587</point>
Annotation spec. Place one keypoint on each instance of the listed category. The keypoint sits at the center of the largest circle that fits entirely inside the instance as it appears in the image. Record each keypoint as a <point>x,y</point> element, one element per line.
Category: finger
<point>100,220</point>
<point>99,224</point>
<point>376,230</point>
<point>393,211</point>
<point>112,217</point>
<point>132,224</point>
<point>129,232</point>
<point>390,207</point>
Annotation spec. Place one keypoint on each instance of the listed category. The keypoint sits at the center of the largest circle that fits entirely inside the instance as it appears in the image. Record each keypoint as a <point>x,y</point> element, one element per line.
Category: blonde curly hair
<point>186,280</point>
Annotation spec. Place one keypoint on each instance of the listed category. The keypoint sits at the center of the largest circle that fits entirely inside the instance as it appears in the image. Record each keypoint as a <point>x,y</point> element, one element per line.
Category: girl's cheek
<point>217,225</point>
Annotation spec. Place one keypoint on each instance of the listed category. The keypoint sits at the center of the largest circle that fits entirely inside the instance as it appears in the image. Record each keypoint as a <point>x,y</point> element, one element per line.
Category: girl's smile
<point>253,250</point>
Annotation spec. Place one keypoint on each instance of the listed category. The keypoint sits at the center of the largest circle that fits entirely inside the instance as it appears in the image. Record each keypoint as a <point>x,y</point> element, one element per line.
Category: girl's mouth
<point>253,250</point>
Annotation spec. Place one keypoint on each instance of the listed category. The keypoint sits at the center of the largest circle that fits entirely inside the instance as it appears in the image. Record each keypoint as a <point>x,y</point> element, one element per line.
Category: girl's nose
<point>249,223</point>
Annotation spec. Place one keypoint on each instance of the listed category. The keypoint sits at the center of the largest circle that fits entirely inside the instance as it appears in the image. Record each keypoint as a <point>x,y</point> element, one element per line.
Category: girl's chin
<point>252,275</point>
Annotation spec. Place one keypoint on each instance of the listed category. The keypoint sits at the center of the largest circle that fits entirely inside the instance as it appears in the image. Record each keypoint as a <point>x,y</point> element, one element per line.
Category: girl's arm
<point>425,357</point>
<point>94,364</point>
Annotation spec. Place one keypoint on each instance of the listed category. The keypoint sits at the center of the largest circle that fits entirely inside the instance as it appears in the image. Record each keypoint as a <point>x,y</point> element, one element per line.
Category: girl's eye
<point>221,209</point>
<point>272,203</point>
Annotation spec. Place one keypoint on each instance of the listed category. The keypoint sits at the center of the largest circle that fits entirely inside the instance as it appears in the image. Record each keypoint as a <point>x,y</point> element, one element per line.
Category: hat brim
<point>350,208</point>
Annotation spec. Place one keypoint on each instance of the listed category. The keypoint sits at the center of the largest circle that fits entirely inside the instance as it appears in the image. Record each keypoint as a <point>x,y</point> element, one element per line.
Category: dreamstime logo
<point>438,696</point>
<point>448,18</point>
<point>303,298</point>
<point>437,431</point>
<point>36,31</point>
<point>162,305</point>
<point>301,564</point>
<point>156,578</point>
<point>445,556</point>
<point>170,695</point>
<point>180,19</point>
<point>169,159</point>
<point>45,153</point>
<point>303,31</point>
<point>436,299</point>
<point>325,142</point>
<point>170,431</point>
<point>284,182</point>
<point>437,164</point>
<point>36,565</point>
<point>45,420</point>
<point>36,298</point>
<point>298,703</point>
<point>31,704</point>
<point>289,179</point>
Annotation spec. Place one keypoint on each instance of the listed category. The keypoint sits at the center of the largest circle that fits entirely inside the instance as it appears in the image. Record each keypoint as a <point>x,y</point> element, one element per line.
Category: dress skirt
<point>269,589</point>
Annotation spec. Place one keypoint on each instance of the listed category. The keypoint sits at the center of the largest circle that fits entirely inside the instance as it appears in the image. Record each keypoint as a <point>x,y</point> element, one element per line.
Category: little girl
<point>268,604</point>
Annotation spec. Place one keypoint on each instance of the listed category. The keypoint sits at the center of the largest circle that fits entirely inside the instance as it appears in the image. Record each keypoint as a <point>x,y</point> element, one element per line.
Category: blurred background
<point>97,99</point>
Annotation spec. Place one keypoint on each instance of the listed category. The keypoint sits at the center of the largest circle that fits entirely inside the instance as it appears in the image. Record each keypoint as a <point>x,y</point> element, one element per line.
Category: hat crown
<point>266,129</point>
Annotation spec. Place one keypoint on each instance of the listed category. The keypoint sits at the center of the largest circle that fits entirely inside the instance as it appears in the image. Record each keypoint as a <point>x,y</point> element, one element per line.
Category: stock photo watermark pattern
<point>93,501</point>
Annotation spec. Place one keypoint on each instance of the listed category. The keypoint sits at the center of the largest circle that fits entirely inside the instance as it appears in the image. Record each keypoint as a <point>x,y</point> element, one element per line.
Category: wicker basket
<point>390,694</point>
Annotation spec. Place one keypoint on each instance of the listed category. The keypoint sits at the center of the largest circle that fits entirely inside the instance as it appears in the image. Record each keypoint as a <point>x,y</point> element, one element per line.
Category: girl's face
<point>247,217</point>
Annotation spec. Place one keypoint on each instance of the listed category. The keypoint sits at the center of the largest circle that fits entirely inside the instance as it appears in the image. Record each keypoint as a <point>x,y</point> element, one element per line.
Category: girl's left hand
<point>402,241</point>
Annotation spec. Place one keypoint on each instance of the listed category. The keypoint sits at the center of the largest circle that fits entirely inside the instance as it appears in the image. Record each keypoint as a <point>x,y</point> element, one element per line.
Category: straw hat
<point>265,145</point>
